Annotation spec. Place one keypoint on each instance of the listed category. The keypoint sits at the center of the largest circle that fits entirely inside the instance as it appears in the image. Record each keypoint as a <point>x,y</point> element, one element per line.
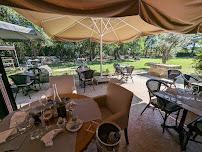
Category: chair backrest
<point>118,69</point>
<point>198,127</point>
<point>118,98</point>
<point>20,79</point>
<point>154,85</point>
<point>36,71</point>
<point>115,65</point>
<point>130,69</point>
<point>88,74</point>
<point>188,79</point>
<point>173,73</point>
<point>65,84</point>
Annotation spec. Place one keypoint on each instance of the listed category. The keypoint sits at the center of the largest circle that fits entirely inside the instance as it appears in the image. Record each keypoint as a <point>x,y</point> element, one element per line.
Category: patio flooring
<point>145,132</point>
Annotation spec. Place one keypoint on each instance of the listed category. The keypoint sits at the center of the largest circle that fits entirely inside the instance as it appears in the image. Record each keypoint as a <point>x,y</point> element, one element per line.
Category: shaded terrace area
<point>144,132</point>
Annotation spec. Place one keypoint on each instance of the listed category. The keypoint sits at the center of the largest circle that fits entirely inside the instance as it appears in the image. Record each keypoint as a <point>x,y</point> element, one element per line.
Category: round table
<point>83,138</point>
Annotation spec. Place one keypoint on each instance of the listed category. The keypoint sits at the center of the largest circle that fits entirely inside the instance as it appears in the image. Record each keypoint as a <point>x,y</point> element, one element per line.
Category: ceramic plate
<point>68,126</point>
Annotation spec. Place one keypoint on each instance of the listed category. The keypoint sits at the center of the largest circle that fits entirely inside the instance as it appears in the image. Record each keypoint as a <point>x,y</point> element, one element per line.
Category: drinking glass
<point>43,100</point>
<point>47,115</point>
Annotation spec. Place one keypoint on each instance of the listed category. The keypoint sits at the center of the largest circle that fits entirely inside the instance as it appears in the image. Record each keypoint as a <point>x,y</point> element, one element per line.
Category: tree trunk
<point>90,51</point>
<point>168,51</point>
<point>163,54</point>
<point>93,49</point>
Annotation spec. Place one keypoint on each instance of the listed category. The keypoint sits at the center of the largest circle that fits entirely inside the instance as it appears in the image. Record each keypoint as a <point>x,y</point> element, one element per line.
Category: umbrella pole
<point>101,56</point>
<point>101,34</point>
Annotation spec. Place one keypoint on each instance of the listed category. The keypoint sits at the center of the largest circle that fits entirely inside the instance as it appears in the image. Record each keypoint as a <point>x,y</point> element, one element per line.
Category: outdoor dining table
<point>186,100</point>
<point>83,137</point>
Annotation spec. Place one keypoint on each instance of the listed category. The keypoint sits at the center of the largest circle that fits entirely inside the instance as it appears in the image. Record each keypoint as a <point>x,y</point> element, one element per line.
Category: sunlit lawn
<point>186,64</point>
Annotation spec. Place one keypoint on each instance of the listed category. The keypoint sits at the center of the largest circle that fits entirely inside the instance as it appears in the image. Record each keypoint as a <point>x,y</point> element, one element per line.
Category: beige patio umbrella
<point>181,16</point>
<point>103,30</point>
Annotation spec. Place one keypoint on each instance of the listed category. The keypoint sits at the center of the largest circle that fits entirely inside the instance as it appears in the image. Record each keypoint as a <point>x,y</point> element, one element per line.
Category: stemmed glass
<point>47,115</point>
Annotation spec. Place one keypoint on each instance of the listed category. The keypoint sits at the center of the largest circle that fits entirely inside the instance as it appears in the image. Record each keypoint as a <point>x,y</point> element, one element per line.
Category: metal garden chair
<point>87,78</point>
<point>23,82</point>
<point>154,85</point>
<point>173,75</point>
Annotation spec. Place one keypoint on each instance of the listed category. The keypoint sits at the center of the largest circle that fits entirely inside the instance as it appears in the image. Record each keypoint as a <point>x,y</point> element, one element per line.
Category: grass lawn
<point>186,64</point>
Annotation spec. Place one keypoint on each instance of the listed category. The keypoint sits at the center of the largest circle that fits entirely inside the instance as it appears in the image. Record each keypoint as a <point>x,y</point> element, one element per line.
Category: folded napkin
<point>5,134</point>
<point>172,91</point>
<point>48,138</point>
<point>17,118</point>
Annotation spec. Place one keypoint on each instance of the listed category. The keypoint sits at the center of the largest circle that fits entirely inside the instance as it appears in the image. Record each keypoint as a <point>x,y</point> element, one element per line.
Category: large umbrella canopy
<point>75,28</point>
<point>182,16</point>
<point>11,32</point>
<point>103,30</point>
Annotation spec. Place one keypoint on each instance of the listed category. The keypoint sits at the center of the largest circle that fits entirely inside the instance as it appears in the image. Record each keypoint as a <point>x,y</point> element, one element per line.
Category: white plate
<point>68,126</point>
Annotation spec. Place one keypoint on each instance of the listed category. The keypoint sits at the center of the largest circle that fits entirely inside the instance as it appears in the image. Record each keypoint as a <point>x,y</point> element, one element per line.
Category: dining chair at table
<point>115,106</point>
<point>195,129</point>
<point>127,73</point>
<point>154,85</point>
<point>188,80</point>
<point>172,76</point>
<point>86,77</point>
<point>36,78</point>
<point>22,82</point>
<point>65,85</point>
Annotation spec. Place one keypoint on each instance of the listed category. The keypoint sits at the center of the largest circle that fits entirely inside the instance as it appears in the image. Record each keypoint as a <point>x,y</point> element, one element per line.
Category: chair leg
<point>164,123</point>
<point>84,86</point>
<point>92,85</point>
<point>145,108</point>
<point>177,117</point>
<point>126,135</point>
<point>132,78</point>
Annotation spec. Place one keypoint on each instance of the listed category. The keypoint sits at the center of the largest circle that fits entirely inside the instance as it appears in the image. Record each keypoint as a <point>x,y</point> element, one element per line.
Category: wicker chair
<point>36,78</point>
<point>154,85</point>
<point>127,73</point>
<point>195,128</point>
<point>86,77</point>
<point>115,106</point>
<point>173,75</point>
<point>188,79</point>
<point>23,82</point>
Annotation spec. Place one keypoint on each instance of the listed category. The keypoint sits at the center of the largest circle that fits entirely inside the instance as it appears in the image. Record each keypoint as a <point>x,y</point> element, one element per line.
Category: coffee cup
<point>61,123</point>
<point>74,122</point>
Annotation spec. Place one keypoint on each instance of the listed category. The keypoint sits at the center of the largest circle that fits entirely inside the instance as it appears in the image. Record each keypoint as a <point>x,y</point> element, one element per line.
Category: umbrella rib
<point>115,25</point>
<point>114,32</point>
<point>106,24</point>
<point>54,18</point>
<point>131,26</point>
<point>116,28</point>
<point>92,32</point>
<point>96,26</point>
<point>82,24</point>
<point>67,28</point>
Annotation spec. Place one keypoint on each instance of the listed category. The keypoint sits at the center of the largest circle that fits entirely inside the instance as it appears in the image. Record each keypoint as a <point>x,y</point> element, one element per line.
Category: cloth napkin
<point>17,118</point>
<point>172,91</point>
<point>48,138</point>
<point>5,134</point>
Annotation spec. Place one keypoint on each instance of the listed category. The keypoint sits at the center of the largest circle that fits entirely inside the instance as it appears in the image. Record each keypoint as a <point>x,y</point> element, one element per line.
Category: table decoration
<point>72,127</point>
<point>5,134</point>
<point>17,118</point>
<point>48,138</point>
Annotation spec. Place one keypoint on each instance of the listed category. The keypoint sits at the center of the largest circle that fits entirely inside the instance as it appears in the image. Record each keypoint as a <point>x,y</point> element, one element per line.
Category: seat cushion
<point>171,107</point>
<point>105,113</point>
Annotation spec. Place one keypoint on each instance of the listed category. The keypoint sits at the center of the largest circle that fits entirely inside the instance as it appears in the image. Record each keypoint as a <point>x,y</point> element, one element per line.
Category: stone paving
<point>144,131</point>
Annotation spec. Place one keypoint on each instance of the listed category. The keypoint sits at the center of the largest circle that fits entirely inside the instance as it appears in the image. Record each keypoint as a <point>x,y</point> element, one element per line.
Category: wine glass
<point>43,100</point>
<point>47,115</point>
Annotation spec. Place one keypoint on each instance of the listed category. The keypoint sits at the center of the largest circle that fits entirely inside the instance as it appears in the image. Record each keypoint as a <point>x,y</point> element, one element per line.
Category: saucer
<point>68,126</point>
